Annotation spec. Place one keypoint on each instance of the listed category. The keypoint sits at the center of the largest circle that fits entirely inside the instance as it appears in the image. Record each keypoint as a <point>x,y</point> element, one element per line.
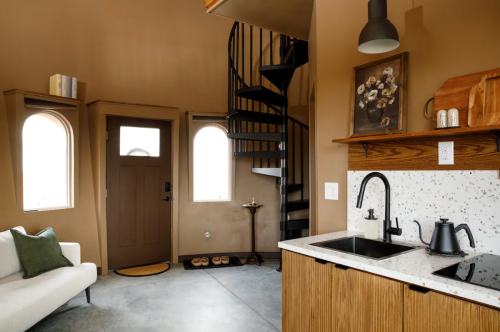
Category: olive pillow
<point>40,253</point>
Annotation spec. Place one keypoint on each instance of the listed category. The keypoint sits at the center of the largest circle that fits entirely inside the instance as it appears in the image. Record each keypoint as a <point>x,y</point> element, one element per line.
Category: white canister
<point>453,118</point>
<point>442,119</point>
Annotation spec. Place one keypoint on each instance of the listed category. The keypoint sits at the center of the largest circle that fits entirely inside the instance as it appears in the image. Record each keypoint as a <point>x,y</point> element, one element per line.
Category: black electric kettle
<point>444,239</point>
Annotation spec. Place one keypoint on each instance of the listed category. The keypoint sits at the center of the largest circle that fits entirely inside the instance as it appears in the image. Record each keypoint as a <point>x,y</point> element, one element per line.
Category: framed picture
<point>379,102</point>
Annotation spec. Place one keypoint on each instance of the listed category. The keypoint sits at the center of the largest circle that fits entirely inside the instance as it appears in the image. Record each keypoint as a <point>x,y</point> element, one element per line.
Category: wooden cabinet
<point>296,291</point>
<point>436,312</point>
<point>324,297</point>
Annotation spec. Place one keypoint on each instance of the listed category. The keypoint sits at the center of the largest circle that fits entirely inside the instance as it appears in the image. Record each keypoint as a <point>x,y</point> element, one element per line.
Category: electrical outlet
<point>446,153</point>
<point>332,191</point>
<point>207,235</point>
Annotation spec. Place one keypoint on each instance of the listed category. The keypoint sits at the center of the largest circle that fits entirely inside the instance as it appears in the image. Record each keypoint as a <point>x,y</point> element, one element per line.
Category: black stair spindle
<point>301,164</point>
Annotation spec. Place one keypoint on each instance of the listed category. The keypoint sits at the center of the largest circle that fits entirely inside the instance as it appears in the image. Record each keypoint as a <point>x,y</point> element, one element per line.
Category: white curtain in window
<point>211,165</point>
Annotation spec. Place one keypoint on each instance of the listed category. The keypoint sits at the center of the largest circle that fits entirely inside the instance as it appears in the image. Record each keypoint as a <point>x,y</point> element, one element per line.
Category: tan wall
<point>444,38</point>
<point>154,52</point>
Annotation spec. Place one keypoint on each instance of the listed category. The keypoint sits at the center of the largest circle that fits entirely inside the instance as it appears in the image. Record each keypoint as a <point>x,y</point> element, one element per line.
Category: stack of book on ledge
<point>63,86</point>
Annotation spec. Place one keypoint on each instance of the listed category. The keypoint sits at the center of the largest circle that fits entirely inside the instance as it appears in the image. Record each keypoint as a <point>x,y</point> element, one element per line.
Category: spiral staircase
<point>258,121</point>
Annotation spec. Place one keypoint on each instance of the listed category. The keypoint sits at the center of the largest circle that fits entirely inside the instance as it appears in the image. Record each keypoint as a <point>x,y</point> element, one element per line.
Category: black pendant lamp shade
<point>379,35</point>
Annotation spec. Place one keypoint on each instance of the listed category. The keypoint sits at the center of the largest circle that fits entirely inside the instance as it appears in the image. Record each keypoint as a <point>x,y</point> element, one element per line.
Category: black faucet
<point>388,230</point>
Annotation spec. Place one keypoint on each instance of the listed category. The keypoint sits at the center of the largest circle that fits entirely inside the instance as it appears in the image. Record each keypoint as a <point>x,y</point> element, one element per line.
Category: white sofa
<point>24,302</point>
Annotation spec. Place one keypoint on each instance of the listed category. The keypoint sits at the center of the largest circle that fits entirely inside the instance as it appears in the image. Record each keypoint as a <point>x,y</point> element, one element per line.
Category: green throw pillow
<point>40,253</point>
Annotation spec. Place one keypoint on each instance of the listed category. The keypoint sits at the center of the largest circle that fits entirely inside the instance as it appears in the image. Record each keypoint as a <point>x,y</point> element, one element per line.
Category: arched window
<point>47,162</point>
<point>211,170</point>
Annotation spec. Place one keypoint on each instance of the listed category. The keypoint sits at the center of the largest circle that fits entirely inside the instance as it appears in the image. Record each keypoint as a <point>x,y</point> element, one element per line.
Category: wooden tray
<point>454,93</point>
<point>484,102</point>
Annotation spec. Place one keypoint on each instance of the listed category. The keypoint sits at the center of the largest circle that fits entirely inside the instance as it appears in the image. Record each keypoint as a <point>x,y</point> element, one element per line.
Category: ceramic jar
<point>442,119</point>
<point>453,118</point>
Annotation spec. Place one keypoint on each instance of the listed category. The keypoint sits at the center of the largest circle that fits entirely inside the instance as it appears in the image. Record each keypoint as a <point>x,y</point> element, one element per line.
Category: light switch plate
<point>332,191</point>
<point>446,153</point>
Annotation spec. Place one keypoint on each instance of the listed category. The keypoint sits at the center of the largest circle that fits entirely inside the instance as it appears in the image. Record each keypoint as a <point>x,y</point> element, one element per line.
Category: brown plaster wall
<point>153,52</point>
<point>444,38</point>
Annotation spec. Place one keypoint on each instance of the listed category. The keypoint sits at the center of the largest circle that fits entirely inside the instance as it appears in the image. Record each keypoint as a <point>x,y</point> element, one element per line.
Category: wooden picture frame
<point>387,112</point>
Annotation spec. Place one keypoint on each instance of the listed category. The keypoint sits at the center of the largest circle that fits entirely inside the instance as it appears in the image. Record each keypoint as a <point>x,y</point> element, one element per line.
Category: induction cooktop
<point>483,270</point>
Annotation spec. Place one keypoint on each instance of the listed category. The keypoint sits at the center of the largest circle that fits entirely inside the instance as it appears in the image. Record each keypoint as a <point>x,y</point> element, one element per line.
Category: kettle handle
<point>469,233</point>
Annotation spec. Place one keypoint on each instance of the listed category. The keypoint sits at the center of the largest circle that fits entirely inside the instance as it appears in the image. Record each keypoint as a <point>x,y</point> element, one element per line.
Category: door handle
<point>166,199</point>
<point>321,261</point>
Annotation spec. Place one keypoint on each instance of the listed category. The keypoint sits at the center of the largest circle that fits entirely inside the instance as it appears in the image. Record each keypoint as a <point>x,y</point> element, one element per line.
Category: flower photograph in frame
<point>379,101</point>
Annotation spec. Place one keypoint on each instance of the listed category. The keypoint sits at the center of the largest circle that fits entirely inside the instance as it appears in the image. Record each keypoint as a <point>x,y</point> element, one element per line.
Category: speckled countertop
<point>415,267</point>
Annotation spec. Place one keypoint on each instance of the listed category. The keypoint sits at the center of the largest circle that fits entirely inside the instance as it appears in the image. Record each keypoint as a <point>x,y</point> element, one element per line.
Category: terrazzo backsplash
<point>464,197</point>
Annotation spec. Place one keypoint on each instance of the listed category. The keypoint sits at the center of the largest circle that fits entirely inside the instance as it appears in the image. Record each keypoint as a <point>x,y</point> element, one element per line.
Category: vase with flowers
<point>375,95</point>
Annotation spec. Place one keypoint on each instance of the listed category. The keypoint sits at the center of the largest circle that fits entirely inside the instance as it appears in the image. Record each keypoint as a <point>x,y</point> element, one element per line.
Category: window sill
<point>48,209</point>
<point>217,201</point>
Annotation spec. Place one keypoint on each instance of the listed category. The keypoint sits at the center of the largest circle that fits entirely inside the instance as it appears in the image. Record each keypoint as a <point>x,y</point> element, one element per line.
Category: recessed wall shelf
<point>364,141</point>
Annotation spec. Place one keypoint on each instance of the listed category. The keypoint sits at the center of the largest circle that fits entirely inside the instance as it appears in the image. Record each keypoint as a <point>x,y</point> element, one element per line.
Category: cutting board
<point>454,93</point>
<point>484,102</point>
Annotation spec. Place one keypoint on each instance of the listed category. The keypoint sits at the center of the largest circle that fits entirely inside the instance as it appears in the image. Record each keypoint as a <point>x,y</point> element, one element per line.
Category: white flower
<point>391,100</point>
<point>380,86</point>
<point>386,92</point>
<point>388,71</point>
<point>361,104</point>
<point>382,103</point>
<point>390,80</point>
<point>378,82</point>
<point>361,89</point>
<point>372,95</point>
<point>372,80</point>
<point>394,88</point>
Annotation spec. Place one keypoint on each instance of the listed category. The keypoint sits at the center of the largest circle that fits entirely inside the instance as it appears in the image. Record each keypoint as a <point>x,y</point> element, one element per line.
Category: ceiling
<point>289,17</point>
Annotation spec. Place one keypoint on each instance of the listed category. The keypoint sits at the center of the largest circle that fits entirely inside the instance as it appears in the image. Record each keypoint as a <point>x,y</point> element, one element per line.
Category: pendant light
<point>379,35</point>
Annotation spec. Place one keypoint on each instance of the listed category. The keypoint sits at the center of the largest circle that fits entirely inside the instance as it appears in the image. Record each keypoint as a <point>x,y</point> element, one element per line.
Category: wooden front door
<point>138,191</point>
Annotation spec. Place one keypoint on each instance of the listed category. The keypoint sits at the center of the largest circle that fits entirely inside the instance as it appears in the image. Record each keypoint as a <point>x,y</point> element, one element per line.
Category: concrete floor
<point>236,299</point>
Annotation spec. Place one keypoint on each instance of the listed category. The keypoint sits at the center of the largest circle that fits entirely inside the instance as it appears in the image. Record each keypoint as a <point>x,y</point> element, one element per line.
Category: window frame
<point>196,122</point>
<point>20,105</point>
<point>70,161</point>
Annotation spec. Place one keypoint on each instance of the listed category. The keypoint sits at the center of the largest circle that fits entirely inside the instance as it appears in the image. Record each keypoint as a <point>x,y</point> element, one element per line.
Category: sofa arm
<point>71,251</point>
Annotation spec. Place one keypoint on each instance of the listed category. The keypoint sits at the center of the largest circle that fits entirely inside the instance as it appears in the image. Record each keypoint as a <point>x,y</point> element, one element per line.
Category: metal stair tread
<point>268,137</point>
<point>262,94</point>
<point>279,75</point>
<point>259,117</point>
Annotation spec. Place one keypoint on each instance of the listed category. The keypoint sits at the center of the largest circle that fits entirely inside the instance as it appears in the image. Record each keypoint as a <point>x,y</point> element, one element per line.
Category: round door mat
<point>144,271</point>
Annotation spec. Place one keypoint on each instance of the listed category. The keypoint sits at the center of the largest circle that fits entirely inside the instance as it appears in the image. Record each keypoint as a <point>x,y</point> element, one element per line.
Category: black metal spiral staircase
<point>258,120</point>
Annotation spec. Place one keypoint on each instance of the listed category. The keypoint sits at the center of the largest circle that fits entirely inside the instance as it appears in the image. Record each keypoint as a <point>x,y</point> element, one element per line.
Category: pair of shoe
<point>205,262</point>
<point>220,260</point>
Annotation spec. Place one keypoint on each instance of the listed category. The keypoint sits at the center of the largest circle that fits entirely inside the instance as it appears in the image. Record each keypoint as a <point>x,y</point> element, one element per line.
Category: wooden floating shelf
<point>422,134</point>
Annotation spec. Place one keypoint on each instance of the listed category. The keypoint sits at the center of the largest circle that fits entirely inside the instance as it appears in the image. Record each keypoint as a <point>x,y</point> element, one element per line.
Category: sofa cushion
<point>24,302</point>
<point>8,255</point>
<point>39,254</point>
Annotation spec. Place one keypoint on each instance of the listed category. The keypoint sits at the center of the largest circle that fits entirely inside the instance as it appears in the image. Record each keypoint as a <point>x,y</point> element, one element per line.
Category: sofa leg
<point>87,292</point>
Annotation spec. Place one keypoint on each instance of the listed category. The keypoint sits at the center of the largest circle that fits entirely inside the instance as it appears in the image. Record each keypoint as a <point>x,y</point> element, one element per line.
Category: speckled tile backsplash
<point>470,197</point>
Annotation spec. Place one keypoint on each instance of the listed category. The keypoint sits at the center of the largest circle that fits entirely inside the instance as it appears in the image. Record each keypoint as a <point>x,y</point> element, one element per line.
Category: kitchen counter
<point>415,267</point>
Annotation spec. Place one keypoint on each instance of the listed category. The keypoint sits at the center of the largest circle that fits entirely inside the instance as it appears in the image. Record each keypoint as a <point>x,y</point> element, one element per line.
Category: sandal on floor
<point>225,260</point>
<point>216,260</point>
<point>205,261</point>
<point>196,262</point>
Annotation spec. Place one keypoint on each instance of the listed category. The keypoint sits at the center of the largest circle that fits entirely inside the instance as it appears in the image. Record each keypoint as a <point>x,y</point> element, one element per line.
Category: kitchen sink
<point>372,249</point>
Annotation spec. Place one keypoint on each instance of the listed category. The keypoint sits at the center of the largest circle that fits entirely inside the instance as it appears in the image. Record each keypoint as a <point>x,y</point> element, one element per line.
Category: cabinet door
<point>430,311</point>
<point>322,309</point>
<point>377,303</point>
<point>489,320</point>
<point>296,291</point>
